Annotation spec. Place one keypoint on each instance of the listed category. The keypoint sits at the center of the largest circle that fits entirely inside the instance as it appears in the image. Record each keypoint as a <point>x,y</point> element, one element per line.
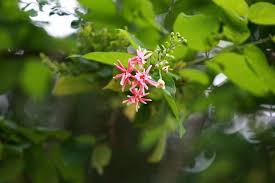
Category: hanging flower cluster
<point>136,77</point>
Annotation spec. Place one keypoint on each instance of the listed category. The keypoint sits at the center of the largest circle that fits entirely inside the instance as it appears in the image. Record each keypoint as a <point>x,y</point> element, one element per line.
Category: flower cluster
<point>136,77</point>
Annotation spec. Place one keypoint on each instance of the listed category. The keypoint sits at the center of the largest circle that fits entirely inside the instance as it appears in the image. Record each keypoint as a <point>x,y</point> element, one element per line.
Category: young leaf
<point>159,150</point>
<point>101,157</point>
<point>262,13</point>
<point>109,58</point>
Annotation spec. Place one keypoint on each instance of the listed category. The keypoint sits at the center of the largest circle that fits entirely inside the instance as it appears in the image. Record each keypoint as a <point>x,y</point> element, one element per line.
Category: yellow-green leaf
<point>262,13</point>
<point>195,75</point>
<point>109,58</point>
<point>235,67</point>
<point>70,85</point>
<point>101,157</point>
<point>159,150</point>
<point>198,30</point>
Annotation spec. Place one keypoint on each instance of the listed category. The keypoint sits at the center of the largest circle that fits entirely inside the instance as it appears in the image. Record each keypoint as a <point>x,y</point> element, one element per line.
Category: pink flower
<point>137,98</point>
<point>142,79</point>
<point>142,55</point>
<point>125,75</point>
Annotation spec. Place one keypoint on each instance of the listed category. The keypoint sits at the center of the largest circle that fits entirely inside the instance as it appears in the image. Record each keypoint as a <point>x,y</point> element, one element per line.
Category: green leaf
<point>10,169</point>
<point>236,35</point>
<point>70,162</point>
<point>101,157</point>
<point>72,85</point>
<point>172,104</point>
<point>159,150</point>
<point>262,13</point>
<point>1,150</point>
<point>170,86</point>
<point>131,38</point>
<point>35,79</point>
<point>109,58</point>
<point>180,128</point>
<point>139,12</point>
<point>39,168</point>
<point>257,60</point>
<point>86,139</point>
<point>273,38</point>
<point>235,19</point>
<point>58,134</point>
<point>237,70</point>
<point>102,7</point>
<point>6,40</point>
<point>206,28</point>
<point>9,74</point>
<point>195,75</point>
<point>113,85</point>
<point>32,13</point>
<point>100,10</point>
<point>236,8</point>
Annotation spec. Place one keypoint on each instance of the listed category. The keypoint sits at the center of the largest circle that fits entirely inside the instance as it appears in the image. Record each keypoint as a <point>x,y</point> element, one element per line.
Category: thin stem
<point>203,59</point>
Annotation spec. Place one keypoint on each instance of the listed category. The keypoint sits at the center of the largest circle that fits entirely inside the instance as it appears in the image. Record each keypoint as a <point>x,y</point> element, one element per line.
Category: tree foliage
<point>71,80</point>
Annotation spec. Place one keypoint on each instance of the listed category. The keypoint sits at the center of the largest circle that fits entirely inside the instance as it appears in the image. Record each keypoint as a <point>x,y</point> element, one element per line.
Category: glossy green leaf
<point>159,150</point>
<point>238,71</point>
<point>195,75</point>
<point>101,157</point>
<point>206,28</point>
<point>262,13</point>
<point>71,85</point>
<point>109,58</point>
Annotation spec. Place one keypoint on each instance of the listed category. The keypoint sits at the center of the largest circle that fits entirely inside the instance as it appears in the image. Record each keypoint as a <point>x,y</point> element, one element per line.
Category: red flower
<point>137,98</point>
<point>125,75</point>
<point>142,55</point>
<point>142,79</point>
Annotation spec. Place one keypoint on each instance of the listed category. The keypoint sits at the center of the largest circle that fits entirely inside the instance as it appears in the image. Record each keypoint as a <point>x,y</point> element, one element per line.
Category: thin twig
<point>229,48</point>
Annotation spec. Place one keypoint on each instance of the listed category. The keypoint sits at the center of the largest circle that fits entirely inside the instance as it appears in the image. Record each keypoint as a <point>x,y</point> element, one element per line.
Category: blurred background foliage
<point>62,117</point>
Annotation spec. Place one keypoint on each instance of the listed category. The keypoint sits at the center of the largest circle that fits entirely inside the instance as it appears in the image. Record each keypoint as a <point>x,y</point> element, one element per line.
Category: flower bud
<point>165,69</point>
<point>161,84</point>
